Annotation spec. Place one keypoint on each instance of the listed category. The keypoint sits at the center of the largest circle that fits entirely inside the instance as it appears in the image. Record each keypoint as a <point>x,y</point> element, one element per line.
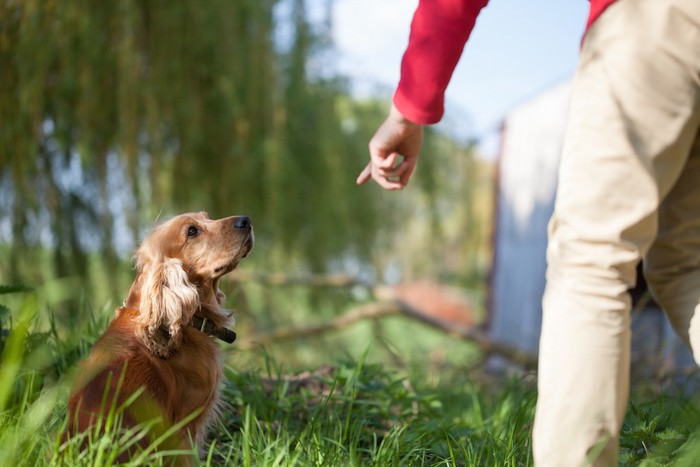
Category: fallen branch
<point>370,311</point>
<point>280,279</point>
<point>381,309</point>
<point>475,335</point>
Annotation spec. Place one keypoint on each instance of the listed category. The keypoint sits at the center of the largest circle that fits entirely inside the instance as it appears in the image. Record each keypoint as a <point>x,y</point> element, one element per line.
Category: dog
<point>158,358</point>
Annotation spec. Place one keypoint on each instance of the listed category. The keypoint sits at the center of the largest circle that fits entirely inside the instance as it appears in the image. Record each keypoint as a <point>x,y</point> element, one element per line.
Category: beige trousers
<point>629,188</point>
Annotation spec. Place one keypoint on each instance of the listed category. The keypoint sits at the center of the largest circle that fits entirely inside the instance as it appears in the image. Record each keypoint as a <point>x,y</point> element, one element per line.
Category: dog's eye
<point>192,231</point>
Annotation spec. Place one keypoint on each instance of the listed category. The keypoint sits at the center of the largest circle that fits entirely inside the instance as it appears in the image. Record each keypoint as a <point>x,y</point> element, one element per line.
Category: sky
<point>517,49</point>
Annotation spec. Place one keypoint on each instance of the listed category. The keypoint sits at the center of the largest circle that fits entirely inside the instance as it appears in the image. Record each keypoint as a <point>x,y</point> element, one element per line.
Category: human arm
<point>439,30</point>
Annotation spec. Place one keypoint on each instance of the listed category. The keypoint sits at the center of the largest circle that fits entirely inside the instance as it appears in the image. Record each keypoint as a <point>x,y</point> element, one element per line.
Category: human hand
<point>395,137</point>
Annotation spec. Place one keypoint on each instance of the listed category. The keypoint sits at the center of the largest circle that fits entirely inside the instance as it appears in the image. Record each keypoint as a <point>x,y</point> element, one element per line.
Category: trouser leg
<point>632,121</point>
<point>672,266</point>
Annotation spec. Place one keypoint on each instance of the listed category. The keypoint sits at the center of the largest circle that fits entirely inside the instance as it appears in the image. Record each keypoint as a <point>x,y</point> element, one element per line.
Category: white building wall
<point>527,171</point>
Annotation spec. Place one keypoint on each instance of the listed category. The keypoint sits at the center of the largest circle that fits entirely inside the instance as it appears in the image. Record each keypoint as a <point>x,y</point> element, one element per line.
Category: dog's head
<point>179,266</point>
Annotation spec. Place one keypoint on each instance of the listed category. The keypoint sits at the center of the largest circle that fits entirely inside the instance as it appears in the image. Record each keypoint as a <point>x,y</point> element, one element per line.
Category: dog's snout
<point>242,222</point>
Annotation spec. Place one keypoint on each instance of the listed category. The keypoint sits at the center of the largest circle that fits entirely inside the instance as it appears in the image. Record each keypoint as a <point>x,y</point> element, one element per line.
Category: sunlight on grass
<point>353,412</point>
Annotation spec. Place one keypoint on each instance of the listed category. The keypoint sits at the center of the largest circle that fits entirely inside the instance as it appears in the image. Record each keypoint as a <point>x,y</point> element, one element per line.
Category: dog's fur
<point>150,344</point>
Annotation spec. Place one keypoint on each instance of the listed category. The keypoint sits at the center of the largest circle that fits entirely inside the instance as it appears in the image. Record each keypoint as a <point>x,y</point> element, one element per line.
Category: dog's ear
<point>167,303</point>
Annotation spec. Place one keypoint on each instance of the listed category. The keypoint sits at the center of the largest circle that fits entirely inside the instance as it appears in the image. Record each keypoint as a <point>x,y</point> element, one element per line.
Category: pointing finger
<point>365,174</point>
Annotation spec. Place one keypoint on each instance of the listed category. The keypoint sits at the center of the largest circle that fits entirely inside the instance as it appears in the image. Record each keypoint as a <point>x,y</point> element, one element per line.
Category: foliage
<point>663,425</point>
<point>115,114</point>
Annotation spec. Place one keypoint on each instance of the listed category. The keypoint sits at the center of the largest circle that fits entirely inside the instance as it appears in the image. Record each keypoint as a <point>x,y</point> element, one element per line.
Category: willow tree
<point>115,113</point>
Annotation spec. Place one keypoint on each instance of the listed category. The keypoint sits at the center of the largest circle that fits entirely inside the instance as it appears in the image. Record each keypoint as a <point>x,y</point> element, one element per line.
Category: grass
<point>352,412</point>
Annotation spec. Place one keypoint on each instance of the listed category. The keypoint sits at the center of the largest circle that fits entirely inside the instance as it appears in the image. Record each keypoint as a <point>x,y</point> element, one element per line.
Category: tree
<point>113,114</point>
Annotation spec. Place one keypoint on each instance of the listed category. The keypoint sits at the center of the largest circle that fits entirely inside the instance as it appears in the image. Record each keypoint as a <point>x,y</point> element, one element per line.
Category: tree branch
<point>382,309</point>
<point>281,279</point>
<point>369,311</point>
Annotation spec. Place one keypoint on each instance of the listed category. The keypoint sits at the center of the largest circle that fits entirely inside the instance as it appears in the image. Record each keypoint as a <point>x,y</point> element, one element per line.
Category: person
<point>627,189</point>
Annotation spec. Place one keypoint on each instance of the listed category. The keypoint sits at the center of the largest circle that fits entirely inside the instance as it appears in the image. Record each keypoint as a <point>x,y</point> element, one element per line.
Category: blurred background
<point>116,115</point>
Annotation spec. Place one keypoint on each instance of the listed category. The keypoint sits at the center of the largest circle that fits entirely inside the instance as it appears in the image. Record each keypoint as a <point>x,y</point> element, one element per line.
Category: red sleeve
<point>597,8</point>
<point>439,30</point>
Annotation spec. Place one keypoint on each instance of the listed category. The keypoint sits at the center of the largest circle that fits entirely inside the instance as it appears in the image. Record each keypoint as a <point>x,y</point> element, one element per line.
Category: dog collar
<point>209,328</point>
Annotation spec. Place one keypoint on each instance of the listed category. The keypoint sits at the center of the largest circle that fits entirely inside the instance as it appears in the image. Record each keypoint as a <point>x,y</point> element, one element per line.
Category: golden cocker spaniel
<point>158,357</point>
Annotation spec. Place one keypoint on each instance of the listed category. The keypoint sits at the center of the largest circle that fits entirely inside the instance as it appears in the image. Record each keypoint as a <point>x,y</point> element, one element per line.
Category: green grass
<point>364,414</point>
<point>356,411</point>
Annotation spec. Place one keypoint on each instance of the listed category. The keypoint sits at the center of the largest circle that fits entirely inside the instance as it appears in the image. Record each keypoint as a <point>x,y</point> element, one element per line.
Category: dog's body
<point>152,344</point>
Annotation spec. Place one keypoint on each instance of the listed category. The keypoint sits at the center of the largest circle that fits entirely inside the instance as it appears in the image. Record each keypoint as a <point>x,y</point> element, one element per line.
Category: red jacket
<point>439,31</point>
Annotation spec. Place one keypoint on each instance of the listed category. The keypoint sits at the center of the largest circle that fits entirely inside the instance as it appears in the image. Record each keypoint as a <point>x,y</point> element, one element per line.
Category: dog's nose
<point>242,222</point>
